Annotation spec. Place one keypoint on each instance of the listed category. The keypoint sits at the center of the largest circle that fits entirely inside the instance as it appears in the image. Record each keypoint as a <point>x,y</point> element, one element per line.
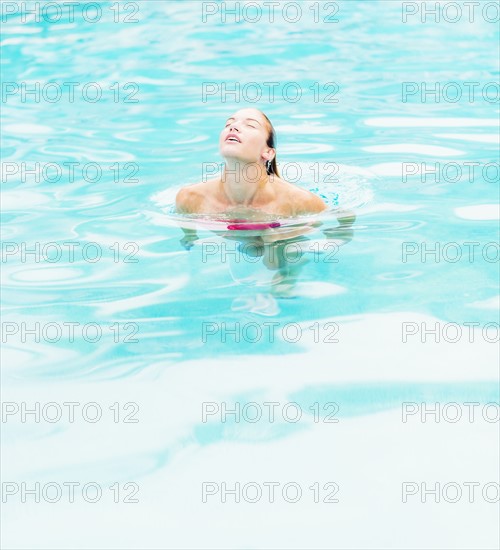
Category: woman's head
<point>249,136</point>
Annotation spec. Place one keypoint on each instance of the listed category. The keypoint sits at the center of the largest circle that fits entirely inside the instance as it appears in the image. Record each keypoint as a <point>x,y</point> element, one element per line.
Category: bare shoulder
<point>303,201</point>
<point>189,199</point>
<point>313,204</point>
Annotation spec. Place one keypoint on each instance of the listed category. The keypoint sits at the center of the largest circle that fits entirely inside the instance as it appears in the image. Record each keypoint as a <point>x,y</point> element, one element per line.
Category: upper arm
<point>311,204</point>
<point>181,200</point>
<point>186,201</point>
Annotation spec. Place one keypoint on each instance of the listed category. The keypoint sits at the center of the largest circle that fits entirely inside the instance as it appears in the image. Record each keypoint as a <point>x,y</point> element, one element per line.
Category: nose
<point>233,127</point>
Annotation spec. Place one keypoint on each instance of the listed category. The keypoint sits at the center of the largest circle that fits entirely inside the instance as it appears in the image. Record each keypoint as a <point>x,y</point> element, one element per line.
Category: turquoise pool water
<point>169,331</point>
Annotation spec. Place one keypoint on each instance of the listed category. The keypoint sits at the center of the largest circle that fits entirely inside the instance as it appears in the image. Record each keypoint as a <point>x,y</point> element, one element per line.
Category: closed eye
<point>246,123</point>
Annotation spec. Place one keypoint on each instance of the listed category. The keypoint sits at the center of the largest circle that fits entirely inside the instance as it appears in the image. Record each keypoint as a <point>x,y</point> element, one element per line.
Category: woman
<point>250,188</point>
<point>250,184</point>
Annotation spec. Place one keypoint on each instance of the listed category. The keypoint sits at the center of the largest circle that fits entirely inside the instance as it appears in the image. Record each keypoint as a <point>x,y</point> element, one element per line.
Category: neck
<point>243,182</point>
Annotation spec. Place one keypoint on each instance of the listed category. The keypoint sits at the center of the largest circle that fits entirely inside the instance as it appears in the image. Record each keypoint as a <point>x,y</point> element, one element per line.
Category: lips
<point>233,138</point>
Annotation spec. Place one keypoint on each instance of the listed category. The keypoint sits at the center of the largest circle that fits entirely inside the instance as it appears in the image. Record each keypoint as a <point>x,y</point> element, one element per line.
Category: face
<point>244,137</point>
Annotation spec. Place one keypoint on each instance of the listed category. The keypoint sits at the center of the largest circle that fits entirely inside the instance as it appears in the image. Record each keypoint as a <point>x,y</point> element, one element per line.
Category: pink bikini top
<point>255,226</point>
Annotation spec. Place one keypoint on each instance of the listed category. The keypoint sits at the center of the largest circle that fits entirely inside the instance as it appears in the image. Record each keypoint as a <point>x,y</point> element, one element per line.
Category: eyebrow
<point>232,118</point>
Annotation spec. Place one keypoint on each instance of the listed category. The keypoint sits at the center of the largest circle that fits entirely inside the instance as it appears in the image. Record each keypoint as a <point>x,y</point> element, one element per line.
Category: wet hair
<point>271,142</point>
